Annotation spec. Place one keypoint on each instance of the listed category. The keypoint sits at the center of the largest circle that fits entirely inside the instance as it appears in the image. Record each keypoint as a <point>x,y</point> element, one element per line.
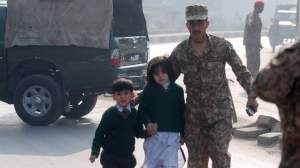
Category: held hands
<point>92,158</point>
<point>152,128</point>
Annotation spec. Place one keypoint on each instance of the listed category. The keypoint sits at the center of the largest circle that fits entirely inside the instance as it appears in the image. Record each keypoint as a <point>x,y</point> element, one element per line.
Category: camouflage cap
<point>196,12</point>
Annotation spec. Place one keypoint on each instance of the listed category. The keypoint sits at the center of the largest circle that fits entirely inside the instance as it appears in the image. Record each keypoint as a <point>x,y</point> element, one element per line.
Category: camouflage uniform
<point>252,34</point>
<point>209,105</point>
<point>280,83</point>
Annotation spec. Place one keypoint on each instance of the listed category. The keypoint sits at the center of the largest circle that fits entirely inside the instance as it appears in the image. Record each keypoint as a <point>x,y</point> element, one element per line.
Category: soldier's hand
<point>92,158</point>
<point>252,102</point>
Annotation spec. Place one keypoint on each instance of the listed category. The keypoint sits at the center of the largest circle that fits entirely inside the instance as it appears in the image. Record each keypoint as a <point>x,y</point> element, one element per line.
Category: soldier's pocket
<point>215,71</point>
<point>214,65</point>
<point>189,68</point>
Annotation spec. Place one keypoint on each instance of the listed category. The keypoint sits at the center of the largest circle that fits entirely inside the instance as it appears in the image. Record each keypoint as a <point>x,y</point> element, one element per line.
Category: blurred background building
<point>167,16</point>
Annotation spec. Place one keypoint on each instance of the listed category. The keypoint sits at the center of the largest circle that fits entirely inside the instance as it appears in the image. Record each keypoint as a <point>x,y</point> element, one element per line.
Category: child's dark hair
<point>161,62</point>
<point>122,84</point>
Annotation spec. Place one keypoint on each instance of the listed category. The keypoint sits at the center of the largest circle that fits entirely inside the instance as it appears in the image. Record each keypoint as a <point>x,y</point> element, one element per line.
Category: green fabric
<point>164,107</point>
<point>116,134</point>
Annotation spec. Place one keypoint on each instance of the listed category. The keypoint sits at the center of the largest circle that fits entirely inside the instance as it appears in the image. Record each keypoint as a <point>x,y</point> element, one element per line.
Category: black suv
<point>45,82</point>
<point>284,24</point>
<point>130,32</point>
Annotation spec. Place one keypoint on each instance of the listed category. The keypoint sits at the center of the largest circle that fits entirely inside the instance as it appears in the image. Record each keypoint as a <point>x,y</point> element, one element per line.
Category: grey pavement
<point>67,142</point>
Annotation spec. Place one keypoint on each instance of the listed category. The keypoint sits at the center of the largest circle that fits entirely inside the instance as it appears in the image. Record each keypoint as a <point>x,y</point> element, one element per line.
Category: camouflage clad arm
<point>175,64</point>
<point>275,82</point>
<point>240,71</point>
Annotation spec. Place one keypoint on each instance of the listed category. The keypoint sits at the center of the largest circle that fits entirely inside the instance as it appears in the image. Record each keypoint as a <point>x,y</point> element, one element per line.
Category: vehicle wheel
<point>81,106</point>
<point>38,100</point>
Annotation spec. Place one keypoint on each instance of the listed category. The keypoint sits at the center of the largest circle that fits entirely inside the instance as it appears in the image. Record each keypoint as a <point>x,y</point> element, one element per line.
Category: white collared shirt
<point>120,108</point>
<point>166,85</point>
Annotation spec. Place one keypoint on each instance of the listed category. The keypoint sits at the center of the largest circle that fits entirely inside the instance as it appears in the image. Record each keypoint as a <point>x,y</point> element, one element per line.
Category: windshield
<point>286,16</point>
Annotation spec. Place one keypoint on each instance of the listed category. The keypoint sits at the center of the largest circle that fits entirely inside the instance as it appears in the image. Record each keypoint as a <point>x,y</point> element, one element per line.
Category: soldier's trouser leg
<point>212,141</point>
<point>197,150</point>
<point>253,59</point>
<point>218,144</point>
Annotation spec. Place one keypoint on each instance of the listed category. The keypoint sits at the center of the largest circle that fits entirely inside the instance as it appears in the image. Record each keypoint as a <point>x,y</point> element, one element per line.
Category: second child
<point>162,108</point>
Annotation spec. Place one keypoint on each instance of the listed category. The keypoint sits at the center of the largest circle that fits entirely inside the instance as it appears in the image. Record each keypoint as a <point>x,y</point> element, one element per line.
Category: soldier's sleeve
<point>275,82</point>
<point>240,70</point>
<point>175,64</point>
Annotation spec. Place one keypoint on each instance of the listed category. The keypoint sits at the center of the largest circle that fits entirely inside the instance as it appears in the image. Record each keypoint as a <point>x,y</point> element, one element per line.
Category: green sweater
<point>164,107</point>
<point>116,135</point>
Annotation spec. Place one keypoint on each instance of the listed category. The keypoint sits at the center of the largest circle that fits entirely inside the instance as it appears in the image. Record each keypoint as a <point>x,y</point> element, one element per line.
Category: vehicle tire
<point>38,100</point>
<point>81,106</point>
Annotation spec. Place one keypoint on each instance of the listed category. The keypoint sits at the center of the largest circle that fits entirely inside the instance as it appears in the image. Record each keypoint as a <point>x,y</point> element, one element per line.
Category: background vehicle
<point>130,32</point>
<point>285,21</point>
<point>44,82</point>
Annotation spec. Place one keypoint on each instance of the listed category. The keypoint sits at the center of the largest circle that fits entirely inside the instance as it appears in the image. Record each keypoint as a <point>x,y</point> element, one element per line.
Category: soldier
<point>209,106</point>
<point>280,83</point>
<point>252,34</point>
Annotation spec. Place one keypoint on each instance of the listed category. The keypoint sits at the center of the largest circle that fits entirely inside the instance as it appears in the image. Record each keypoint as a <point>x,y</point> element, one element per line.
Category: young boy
<point>117,130</point>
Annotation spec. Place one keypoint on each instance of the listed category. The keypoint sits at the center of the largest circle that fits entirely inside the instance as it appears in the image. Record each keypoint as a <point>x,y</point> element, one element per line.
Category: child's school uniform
<point>161,150</point>
<point>116,135</point>
<point>163,105</point>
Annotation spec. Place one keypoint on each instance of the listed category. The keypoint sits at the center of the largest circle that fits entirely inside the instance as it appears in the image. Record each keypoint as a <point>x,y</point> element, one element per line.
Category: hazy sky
<point>221,12</point>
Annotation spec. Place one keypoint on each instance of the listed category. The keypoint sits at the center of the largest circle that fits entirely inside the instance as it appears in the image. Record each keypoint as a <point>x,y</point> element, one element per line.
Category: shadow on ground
<point>62,138</point>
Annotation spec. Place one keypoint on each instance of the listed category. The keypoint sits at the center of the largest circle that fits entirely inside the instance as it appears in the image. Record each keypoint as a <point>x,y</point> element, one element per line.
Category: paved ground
<point>67,142</point>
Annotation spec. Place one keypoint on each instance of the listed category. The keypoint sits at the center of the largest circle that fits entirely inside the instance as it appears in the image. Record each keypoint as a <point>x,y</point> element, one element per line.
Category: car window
<point>286,16</point>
